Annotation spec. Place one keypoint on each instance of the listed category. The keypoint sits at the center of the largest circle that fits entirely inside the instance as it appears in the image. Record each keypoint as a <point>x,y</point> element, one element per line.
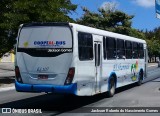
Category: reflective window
<point>111,48</point>
<point>141,51</point>
<point>135,50</point>
<point>120,49</point>
<point>85,46</point>
<point>128,45</point>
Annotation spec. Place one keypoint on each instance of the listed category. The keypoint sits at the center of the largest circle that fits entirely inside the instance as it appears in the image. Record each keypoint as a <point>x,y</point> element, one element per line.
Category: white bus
<point>76,59</point>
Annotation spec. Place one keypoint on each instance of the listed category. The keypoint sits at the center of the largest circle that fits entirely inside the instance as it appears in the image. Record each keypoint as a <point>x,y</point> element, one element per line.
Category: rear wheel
<point>112,87</point>
<point>140,78</point>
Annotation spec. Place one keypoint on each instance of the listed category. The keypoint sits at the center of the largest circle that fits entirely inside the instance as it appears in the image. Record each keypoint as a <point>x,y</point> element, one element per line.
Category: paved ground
<point>7,75</point>
<point>6,82</point>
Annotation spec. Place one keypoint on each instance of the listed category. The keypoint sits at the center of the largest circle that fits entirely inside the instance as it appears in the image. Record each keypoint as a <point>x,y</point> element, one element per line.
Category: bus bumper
<point>69,89</point>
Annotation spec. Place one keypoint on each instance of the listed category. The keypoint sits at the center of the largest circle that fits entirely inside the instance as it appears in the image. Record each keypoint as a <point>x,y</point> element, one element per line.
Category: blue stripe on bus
<point>72,89</point>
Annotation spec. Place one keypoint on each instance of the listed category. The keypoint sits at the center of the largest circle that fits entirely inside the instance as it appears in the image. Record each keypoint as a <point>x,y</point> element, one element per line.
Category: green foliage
<point>15,12</point>
<point>153,40</point>
<point>110,20</point>
<point>120,22</point>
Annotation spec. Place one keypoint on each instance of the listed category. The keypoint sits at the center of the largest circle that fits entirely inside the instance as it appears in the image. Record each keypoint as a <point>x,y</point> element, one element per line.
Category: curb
<point>6,69</point>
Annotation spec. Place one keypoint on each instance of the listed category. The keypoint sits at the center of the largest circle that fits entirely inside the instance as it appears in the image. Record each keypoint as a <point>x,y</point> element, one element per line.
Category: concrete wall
<point>8,57</point>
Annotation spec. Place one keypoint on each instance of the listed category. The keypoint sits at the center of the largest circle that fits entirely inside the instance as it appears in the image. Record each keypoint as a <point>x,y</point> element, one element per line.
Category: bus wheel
<point>140,78</point>
<point>112,87</point>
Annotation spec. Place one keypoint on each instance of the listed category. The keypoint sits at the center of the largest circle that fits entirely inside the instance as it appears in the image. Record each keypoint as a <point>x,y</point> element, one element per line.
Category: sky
<point>143,11</point>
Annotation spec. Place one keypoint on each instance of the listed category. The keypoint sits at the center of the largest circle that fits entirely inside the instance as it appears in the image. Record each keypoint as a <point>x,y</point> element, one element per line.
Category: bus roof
<point>95,31</point>
<point>87,29</point>
<point>45,24</point>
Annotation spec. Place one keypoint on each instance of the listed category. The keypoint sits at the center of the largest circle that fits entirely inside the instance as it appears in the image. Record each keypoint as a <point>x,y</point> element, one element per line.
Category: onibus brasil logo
<point>134,69</point>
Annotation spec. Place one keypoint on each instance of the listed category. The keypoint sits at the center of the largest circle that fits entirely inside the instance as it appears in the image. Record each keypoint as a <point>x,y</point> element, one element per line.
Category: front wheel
<point>112,88</point>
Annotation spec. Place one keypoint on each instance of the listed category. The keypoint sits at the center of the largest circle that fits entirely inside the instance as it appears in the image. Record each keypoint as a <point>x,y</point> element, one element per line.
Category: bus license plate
<point>42,76</point>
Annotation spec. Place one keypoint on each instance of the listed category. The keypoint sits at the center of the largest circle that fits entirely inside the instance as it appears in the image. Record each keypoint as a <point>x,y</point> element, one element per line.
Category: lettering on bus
<point>120,66</point>
<point>49,43</point>
<point>42,69</point>
<point>60,50</point>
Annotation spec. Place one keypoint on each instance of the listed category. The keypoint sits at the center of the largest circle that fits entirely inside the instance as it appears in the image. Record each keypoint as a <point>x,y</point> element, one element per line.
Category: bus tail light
<point>70,76</point>
<point>17,74</point>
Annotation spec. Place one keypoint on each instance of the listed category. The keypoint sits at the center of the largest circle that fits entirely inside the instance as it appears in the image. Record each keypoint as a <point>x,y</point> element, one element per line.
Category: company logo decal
<point>120,66</point>
<point>25,44</point>
<point>49,43</point>
<point>134,69</point>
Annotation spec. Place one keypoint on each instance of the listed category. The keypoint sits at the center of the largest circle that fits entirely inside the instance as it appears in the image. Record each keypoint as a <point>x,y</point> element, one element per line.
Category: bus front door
<point>98,66</point>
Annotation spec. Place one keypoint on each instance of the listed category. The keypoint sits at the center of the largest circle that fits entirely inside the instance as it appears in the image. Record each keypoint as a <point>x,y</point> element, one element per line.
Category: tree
<point>111,20</point>
<point>6,42</point>
<point>153,41</point>
<point>15,12</point>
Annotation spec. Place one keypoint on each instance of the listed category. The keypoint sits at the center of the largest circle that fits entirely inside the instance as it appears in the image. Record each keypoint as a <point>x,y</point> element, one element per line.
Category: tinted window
<point>128,45</point>
<point>135,50</point>
<point>45,41</point>
<point>85,46</point>
<point>141,51</point>
<point>120,49</point>
<point>111,48</point>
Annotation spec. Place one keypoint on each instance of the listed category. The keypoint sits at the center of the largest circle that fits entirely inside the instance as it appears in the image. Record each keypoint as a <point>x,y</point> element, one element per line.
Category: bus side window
<point>85,46</point>
<point>128,45</point>
<point>104,48</point>
<point>141,51</point>
<point>135,50</point>
<point>111,48</point>
<point>120,49</point>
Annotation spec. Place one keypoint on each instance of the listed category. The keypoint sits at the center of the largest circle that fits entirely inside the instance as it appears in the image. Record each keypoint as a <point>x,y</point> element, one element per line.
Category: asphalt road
<point>146,95</point>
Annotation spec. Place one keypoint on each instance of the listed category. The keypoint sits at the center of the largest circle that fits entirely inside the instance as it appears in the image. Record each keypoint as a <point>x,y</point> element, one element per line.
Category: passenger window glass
<point>120,49</point>
<point>128,45</point>
<point>135,50</point>
<point>85,46</point>
<point>111,48</point>
<point>141,51</point>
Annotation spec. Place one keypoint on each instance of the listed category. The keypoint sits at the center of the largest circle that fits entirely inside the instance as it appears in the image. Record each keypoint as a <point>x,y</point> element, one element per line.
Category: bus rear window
<point>45,37</point>
<point>45,41</point>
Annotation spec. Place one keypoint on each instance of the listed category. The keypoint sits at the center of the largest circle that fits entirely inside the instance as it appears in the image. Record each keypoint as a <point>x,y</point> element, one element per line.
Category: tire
<point>140,79</point>
<point>112,87</point>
